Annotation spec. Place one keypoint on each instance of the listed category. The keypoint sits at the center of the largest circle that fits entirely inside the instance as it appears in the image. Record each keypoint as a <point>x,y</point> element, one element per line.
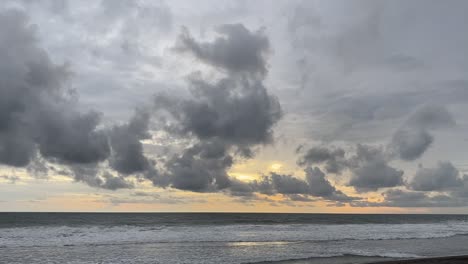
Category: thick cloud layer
<point>363,79</point>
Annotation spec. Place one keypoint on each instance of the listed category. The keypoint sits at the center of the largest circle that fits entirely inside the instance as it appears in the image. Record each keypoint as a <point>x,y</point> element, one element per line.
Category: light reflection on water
<point>261,243</point>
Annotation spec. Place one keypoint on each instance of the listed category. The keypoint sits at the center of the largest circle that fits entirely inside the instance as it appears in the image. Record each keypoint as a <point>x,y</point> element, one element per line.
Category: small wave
<point>98,235</point>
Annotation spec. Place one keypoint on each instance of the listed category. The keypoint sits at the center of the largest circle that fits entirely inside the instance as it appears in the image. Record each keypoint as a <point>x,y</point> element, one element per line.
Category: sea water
<point>226,238</point>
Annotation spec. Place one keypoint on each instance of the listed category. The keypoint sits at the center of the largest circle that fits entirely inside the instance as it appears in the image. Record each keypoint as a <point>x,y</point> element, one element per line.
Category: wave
<point>234,235</point>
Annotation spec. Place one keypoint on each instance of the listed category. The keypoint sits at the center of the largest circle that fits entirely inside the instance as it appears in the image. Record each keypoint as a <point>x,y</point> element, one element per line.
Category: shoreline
<point>462,259</point>
<point>459,259</point>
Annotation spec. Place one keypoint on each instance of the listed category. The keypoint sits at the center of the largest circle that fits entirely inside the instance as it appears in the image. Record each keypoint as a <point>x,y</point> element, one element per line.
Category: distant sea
<point>226,238</point>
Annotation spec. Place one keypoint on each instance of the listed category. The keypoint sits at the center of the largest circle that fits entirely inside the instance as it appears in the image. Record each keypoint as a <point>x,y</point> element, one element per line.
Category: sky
<point>234,106</point>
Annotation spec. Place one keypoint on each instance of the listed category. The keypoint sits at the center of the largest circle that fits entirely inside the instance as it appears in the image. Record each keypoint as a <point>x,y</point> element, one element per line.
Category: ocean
<point>226,237</point>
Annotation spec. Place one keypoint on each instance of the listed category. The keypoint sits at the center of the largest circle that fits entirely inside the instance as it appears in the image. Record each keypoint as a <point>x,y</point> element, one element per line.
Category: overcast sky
<point>284,106</point>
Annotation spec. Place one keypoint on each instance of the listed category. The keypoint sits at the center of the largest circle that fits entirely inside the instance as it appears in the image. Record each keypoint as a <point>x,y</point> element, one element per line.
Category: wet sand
<point>377,260</point>
<point>441,260</point>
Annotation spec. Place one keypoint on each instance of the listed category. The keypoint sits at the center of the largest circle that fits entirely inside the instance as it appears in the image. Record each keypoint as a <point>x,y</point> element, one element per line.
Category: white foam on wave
<point>100,235</point>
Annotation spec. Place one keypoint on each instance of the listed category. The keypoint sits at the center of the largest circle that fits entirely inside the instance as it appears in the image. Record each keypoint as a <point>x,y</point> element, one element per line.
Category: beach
<point>372,260</point>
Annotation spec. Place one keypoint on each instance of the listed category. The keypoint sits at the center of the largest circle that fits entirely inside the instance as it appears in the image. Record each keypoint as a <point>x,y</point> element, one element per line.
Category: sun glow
<point>276,166</point>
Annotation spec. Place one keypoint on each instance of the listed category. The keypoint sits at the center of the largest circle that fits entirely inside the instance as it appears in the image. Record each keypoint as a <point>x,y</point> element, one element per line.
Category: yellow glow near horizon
<point>276,167</point>
<point>246,177</point>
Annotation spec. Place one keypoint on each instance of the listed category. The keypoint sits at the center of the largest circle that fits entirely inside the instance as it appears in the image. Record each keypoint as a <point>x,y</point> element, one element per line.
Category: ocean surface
<point>226,238</point>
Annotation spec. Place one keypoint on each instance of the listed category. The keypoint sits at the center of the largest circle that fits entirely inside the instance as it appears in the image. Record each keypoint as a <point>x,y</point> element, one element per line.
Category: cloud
<point>374,175</point>
<point>200,168</point>
<point>368,166</point>
<point>411,140</point>
<point>71,137</point>
<point>403,198</point>
<point>111,182</point>
<point>40,118</point>
<point>37,113</point>
<point>315,185</point>
<point>410,144</point>
<point>334,158</point>
<point>462,189</point>
<point>319,186</point>
<point>239,112</point>
<point>287,184</point>
<point>370,170</point>
<point>222,118</point>
<point>226,117</point>
<point>127,150</point>
<point>92,176</point>
<point>237,49</point>
<point>10,179</point>
<point>431,117</point>
<point>242,189</point>
<point>443,176</point>
<point>27,76</point>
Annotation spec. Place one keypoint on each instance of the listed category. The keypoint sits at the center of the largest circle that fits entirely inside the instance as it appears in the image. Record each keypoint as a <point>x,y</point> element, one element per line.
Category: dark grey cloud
<point>225,118</point>
<point>127,150</point>
<point>200,168</point>
<point>314,186</point>
<point>37,112</point>
<point>413,138</point>
<point>92,176</point>
<point>442,177</point>
<point>410,144</point>
<point>333,158</point>
<point>403,198</point>
<point>40,120</point>
<point>242,189</point>
<point>368,166</point>
<point>287,184</point>
<point>71,137</point>
<point>111,182</point>
<point>27,74</point>
<point>236,49</point>
<point>370,170</point>
<point>374,175</point>
<point>319,186</point>
<point>240,112</point>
